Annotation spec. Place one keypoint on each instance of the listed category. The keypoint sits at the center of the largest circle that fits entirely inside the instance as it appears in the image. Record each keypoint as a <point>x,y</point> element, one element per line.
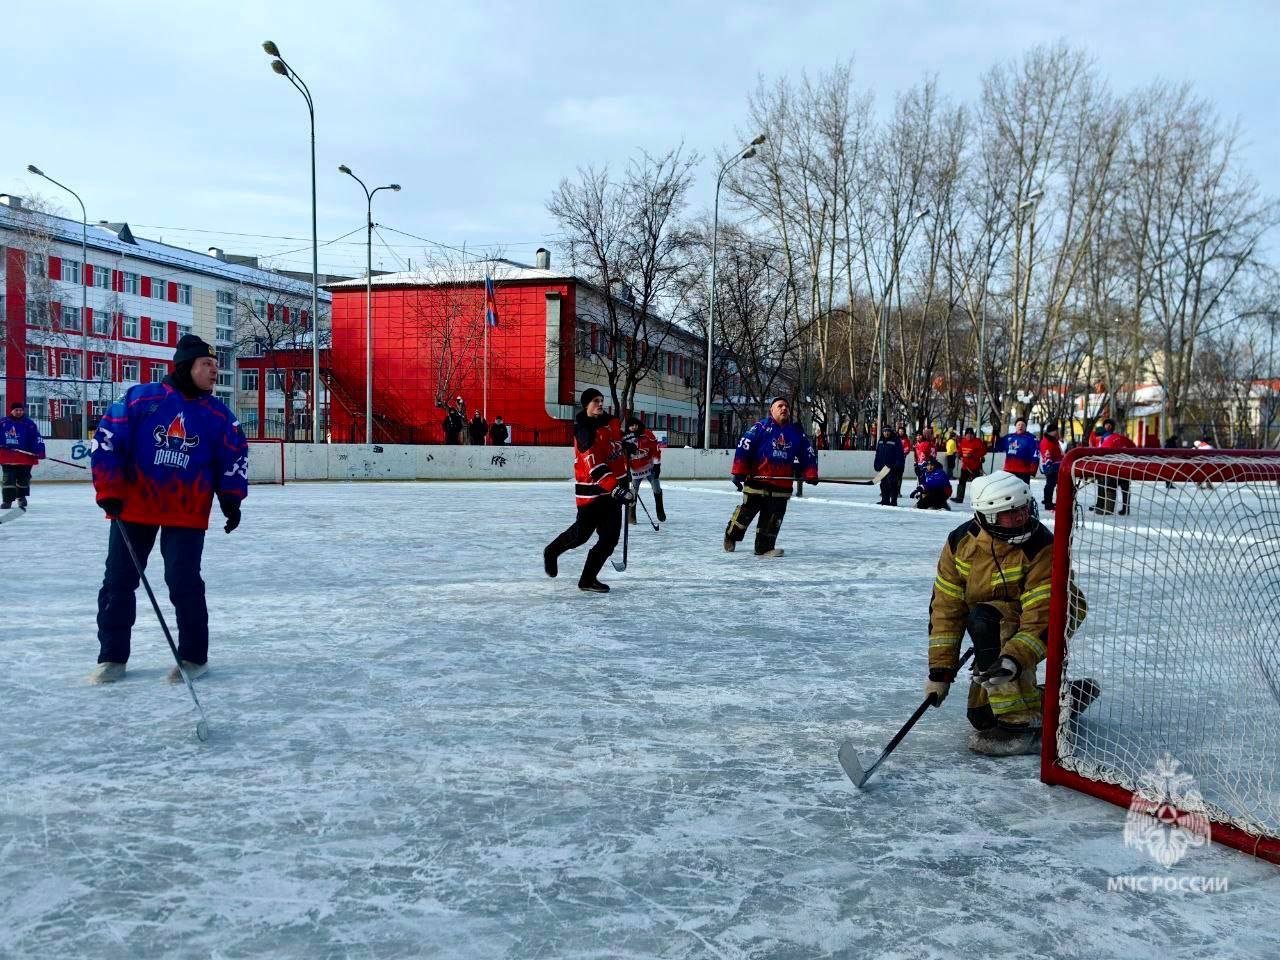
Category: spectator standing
<point>889,455</point>
<point>1050,461</point>
<point>972,451</point>
<point>498,433</point>
<point>952,451</point>
<point>1020,452</point>
<point>453,425</point>
<point>478,430</point>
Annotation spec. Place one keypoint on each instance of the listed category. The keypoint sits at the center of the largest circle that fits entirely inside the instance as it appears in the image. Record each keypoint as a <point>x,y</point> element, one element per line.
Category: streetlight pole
<point>884,331</point>
<point>1032,200</point>
<point>281,67</point>
<point>84,301</point>
<point>368,299</point>
<point>745,153</point>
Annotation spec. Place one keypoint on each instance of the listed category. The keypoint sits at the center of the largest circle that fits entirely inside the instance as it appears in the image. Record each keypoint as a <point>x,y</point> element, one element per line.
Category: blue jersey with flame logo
<point>166,455</point>
<point>774,454</point>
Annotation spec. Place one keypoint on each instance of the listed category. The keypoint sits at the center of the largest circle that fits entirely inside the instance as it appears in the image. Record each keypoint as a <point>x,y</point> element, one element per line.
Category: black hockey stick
<point>646,511</point>
<point>67,463</point>
<point>849,758</point>
<point>202,727</point>
<point>626,528</point>
<point>884,472</point>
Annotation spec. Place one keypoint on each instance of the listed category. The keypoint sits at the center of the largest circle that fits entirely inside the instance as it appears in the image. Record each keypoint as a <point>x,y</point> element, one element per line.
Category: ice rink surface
<point>423,747</point>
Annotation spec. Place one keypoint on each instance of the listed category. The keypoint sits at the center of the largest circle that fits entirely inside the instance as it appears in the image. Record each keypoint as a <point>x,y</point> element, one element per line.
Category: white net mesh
<point>1177,560</point>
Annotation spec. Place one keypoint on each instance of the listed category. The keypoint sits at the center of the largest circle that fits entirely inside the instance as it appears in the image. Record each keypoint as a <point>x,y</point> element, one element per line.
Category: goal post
<point>266,461</point>
<point>1166,592</point>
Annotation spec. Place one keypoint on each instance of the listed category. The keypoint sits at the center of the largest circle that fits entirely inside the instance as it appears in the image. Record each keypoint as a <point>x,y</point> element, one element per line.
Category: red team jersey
<point>599,467</point>
<point>647,457</point>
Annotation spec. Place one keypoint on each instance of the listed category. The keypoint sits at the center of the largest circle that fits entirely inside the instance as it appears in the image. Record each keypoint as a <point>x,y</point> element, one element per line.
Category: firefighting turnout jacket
<point>1014,578</point>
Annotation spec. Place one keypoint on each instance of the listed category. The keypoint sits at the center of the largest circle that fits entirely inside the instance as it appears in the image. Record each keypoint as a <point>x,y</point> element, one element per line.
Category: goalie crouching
<point>993,582</point>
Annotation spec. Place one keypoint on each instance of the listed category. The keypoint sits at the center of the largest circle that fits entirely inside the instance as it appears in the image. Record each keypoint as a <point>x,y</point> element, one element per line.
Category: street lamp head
<point>32,168</point>
<point>279,67</point>
<point>395,187</point>
<point>748,154</point>
<point>924,213</point>
<point>1205,237</point>
<point>759,140</point>
<point>1033,198</point>
<point>271,48</point>
<point>343,168</point>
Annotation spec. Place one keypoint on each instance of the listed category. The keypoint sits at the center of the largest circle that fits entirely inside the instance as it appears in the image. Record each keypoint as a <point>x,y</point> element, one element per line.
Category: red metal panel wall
<point>16,319</point>
<point>407,361</point>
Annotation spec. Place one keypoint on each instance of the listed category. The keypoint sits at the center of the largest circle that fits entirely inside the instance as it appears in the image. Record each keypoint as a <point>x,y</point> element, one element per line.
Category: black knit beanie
<point>590,394</point>
<point>191,347</point>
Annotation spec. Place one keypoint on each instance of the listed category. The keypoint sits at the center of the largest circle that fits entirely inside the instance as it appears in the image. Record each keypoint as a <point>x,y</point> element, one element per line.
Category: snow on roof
<point>107,237</point>
<point>467,272</point>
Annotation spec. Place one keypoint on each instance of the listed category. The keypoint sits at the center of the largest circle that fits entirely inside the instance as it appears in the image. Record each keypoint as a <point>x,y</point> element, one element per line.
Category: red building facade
<point>429,347</point>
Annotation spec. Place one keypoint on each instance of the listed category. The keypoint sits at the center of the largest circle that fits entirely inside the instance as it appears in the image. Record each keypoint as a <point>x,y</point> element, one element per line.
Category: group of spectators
<point>476,430</point>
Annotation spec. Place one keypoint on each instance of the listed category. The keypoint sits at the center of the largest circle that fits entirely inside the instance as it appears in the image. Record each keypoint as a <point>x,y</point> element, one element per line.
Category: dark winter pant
<point>771,507</point>
<point>602,516</point>
<point>951,465</point>
<point>181,549</point>
<point>890,488</point>
<point>1050,485</point>
<point>17,482</point>
<point>965,477</point>
<point>933,501</point>
<point>1106,502</point>
<point>1017,702</point>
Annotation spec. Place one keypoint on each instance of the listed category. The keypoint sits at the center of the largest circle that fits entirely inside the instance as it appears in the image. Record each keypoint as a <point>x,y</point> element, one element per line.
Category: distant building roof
<point>468,272</point>
<point>117,238</point>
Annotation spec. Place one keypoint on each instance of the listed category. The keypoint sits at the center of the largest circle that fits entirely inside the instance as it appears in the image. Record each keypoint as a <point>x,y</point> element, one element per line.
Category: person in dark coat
<point>478,430</point>
<point>889,455</point>
<point>453,425</point>
<point>498,433</point>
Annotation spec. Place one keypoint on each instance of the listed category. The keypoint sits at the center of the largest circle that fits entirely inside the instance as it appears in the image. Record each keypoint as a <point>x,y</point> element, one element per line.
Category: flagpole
<point>486,365</point>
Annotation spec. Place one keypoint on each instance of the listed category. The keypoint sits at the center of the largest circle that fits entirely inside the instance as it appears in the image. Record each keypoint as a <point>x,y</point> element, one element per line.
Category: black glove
<point>622,493</point>
<point>231,510</point>
<point>111,506</point>
<point>739,480</point>
<point>631,445</point>
<point>657,471</point>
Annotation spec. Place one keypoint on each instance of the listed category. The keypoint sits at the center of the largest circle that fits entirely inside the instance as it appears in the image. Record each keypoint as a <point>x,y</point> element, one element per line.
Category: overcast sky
<point>167,115</point>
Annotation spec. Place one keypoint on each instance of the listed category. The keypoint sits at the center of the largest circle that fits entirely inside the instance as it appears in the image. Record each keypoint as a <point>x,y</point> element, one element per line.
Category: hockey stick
<point>202,727</point>
<point>849,759</point>
<point>67,463</point>
<point>884,472</point>
<point>626,527</point>
<point>640,501</point>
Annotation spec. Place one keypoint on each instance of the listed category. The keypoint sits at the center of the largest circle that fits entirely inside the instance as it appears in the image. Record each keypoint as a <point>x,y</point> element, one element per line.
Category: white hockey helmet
<point>999,493</point>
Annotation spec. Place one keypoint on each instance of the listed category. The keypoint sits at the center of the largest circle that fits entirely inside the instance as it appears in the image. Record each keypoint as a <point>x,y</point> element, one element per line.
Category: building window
<point>69,365</point>
<point>37,267</point>
<point>129,371</point>
<point>183,329</point>
<point>157,288</point>
<point>157,372</point>
<point>99,366</point>
<point>130,327</point>
<point>226,367</point>
<point>36,409</point>
<point>71,271</point>
<point>35,361</point>
<point>97,410</point>
<point>158,332</point>
<point>249,380</point>
<point>101,277</point>
<point>70,319</point>
<point>275,380</point>
<point>184,293</point>
<point>132,283</point>
<point>302,380</point>
<point>37,313</point>
<point>225,317</point>
<point>101,323</point>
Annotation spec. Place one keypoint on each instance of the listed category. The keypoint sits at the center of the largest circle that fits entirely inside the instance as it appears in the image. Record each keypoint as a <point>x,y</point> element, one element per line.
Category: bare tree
<point>626,235</point>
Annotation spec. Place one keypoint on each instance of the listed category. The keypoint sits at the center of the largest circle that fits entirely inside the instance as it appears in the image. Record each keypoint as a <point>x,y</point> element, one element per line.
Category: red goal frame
<point>1174,465</point>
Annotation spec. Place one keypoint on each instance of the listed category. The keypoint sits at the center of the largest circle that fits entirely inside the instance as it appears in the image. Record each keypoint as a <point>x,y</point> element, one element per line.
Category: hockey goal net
<point>1166,593</point>
<point>266,461</point>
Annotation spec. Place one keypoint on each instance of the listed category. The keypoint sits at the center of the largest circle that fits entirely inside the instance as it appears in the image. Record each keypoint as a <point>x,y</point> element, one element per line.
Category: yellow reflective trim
<point>1034,598</point>
<point>961,566</point>
<point>1007,575</point>
<point>943,641</point>
<point>1032,643</point>
<point>953,590</point>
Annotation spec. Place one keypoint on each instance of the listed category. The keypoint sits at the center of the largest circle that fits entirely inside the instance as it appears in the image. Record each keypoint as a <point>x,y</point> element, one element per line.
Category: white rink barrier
<point>357,461</point>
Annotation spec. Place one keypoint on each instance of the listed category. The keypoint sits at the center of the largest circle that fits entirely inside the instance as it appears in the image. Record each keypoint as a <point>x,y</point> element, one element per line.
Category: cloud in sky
<point>168,113</point>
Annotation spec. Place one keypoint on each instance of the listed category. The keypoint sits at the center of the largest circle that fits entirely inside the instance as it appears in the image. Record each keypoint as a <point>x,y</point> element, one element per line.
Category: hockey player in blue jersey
<point>160,456</point>
<point>771,455</point>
